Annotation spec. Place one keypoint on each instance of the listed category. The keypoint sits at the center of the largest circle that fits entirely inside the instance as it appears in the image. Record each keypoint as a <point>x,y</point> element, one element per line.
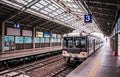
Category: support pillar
<point>61,40</point>
<point>116,45</point>
<point>33,38</point>
<point>50,38</point>
<point>3,36</point>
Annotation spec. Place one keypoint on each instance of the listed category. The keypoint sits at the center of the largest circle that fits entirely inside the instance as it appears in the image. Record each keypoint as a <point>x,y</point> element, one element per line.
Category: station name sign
<point>88,18</point>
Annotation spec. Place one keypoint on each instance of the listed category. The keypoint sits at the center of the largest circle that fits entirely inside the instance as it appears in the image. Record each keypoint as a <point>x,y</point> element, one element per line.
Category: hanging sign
<point>88,18</point>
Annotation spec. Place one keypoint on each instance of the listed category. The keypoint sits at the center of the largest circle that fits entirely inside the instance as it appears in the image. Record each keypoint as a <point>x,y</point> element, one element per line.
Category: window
<point>9,38</point>
<point>59,40</point>
<point>68,42</point>
<point>27,40</point>
<point>19,39</point>
<point>47,40</point>
<point>37,40</point>
<point>79,42</point>
<point>41,40</point>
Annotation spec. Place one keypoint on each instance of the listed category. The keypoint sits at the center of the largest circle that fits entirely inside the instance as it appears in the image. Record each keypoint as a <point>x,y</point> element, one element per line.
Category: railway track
<point>32,66</point>
<point>62,72</point>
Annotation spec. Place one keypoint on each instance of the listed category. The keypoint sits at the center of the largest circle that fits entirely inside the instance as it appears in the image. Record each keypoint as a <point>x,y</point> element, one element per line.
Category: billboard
<point>46,34</point>
<point>39,34</point>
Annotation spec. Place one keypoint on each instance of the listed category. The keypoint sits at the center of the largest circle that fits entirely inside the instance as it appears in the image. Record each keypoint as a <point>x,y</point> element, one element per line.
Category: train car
<point>79,47</point>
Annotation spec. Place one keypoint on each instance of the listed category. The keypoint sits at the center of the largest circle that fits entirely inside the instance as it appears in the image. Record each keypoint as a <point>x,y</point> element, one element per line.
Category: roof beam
<point>104,19</point>
<point>107,9</point>
<point>8,16</point>
<point>40,25</point>
<point>50,24</point>
<point>102,14</point>
<point>24,18</point>
<point>20,11</point>
<point>54,27</point>
<point>34,21</point>
<point>102,3</point>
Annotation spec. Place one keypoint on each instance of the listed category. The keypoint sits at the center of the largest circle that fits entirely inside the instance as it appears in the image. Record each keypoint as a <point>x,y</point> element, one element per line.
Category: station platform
<point>101,64</point>
<point>27,52</point>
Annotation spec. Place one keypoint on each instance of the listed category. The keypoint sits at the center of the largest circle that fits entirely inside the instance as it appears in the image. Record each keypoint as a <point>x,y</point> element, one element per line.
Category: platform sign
<point>17,25</point>
<point>88,18</point>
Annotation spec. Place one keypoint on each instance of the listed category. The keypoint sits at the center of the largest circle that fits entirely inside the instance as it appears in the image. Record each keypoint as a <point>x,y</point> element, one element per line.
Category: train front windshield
<point>74,42</point>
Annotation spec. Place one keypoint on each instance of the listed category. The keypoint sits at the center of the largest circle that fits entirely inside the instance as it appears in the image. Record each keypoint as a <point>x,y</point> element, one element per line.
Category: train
<point>78,47</point>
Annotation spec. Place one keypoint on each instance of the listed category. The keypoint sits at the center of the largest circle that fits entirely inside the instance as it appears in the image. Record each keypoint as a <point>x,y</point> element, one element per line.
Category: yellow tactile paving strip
<point>95,67</point>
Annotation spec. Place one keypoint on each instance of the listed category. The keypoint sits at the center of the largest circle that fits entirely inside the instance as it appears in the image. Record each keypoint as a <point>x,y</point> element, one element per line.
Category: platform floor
<point>102,64</point>
<point>21,53</point>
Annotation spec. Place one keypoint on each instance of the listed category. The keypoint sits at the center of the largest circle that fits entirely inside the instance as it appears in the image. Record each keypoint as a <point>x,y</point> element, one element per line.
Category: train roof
<point>74,35</point>
<point>79,35</point>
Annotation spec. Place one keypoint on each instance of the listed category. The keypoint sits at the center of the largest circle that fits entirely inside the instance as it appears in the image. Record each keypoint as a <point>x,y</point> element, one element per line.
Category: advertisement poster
<point>39,34</point>
<point>46,34</point>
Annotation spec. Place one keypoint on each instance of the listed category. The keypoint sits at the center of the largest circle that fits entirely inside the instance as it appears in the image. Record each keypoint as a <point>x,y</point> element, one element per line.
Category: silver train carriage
<point>78,48</point>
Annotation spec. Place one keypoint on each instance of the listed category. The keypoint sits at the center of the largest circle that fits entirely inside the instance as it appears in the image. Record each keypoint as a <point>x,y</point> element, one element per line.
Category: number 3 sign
<point>88,18</point>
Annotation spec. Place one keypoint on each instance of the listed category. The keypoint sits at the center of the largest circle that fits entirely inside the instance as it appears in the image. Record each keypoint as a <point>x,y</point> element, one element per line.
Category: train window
<point>68,42</point>
<point>79,42</point>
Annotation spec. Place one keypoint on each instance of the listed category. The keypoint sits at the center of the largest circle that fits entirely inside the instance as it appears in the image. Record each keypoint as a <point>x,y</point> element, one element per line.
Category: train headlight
<point>83,54</point>
<point>64,52</point>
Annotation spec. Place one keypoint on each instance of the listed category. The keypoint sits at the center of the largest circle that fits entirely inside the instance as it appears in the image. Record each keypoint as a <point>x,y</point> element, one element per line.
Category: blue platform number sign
<point>88,18</point>
<point>16,25</point>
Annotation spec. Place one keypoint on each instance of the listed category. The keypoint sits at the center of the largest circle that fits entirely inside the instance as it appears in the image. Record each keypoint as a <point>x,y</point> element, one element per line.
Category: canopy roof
<point>65,15</point>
